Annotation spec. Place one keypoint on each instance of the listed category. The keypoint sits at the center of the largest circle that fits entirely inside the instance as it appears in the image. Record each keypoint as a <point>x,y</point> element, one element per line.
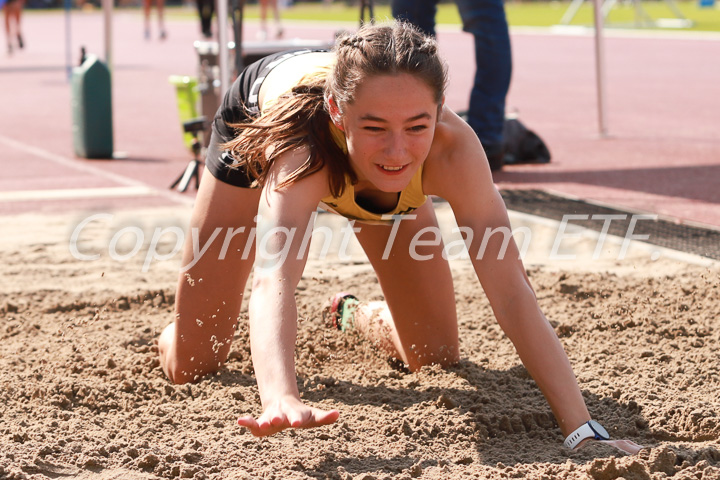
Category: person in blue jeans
<point>485,20</point>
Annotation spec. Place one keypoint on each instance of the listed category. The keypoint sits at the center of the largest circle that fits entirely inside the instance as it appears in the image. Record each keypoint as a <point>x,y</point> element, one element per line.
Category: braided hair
<point>387,49</point>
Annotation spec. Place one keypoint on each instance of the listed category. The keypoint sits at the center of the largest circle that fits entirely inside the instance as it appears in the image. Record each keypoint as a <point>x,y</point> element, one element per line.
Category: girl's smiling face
<point>389,129</point>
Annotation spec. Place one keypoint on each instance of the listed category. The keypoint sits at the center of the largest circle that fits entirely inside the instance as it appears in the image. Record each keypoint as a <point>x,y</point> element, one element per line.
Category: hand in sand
<point>285,413</point>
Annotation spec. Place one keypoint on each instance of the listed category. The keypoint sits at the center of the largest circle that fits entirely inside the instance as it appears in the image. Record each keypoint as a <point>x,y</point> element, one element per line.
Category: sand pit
<point>82,395</point>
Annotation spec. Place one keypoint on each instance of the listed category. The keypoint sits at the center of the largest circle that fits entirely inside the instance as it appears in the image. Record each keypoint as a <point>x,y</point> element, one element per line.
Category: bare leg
<point>161,18</point>
<point>373,321</point>
<point>276,14</point>
<point>16,10</point>
<point>8,36</point>
<point>263,19</point>
<point>12,16</point>
<point>209,293</point>
<point>146,11</point>
<point>419,324</point>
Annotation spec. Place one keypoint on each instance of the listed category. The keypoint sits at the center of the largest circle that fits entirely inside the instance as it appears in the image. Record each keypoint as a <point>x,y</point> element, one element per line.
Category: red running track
<point>663,98</point>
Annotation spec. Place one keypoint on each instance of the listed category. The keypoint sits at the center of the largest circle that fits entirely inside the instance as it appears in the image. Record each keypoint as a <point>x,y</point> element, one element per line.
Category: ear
<point>440,107</point>
<point>335,114</point>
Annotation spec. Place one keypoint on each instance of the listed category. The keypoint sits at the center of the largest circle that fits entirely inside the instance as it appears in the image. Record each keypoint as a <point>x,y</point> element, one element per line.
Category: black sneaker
<point>20,41</point>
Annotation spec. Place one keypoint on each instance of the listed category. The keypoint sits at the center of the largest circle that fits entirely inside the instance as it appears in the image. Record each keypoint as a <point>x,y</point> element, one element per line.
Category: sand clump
<point>82,395</point>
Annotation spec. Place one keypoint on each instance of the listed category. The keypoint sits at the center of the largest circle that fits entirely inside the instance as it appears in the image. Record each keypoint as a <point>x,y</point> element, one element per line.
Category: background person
<point>13,13</point>
<point>263,34</point>
<point>206,9</point>
<point>486,21</point>
<point>160,4</point>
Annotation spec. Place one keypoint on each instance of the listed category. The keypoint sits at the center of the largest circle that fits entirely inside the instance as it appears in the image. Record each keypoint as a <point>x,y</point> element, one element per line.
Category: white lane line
<point>92,170</point>
<point>73,193</point>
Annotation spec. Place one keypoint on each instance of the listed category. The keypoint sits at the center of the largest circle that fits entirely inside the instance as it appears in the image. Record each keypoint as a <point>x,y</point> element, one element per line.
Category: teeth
<point>391,169</point>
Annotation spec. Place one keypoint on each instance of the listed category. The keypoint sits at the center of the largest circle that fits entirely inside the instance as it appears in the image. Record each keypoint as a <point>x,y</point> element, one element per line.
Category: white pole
<point>107,6</point>
<point>68,42</point>
<point>600,67</point>
<point>222,16</point>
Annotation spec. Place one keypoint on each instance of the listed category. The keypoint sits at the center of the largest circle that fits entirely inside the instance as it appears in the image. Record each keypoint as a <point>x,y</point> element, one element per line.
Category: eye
<point>372,129</point>
<point>418,128</point>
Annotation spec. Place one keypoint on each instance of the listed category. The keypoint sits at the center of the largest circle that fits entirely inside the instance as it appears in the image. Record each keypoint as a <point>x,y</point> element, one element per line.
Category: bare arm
<point>283,217</point>
<point>464,180</point>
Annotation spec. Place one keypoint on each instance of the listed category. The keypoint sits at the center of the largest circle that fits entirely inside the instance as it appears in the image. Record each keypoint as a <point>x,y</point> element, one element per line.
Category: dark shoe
<point>20,41</point>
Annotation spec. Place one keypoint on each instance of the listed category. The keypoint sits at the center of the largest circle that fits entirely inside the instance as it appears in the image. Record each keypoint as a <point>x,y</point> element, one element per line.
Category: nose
<point>396,147</point>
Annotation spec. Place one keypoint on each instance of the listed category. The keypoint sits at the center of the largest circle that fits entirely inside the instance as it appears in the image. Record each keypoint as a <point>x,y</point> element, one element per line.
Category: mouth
<point>391,169</point>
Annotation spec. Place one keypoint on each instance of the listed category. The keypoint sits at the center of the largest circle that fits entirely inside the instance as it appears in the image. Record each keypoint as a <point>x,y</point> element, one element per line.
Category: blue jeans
<point>485,20</point>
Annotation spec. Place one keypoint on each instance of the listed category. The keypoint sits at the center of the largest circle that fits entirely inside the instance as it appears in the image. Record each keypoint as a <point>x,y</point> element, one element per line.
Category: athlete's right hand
<point>287,412</point>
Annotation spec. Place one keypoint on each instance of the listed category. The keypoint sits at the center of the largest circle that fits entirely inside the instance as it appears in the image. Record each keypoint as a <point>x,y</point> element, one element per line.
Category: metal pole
<point>237,14</point>
<point>222,17</point>
<point>600,67</point>
<point>107,6</point>
<point>68,43</point>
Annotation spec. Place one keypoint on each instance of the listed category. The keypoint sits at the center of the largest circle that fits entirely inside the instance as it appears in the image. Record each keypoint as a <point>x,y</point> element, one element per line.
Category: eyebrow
<point>420,116</point>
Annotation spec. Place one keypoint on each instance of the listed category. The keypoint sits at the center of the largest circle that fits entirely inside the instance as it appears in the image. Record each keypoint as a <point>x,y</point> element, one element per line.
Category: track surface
<point>662,155</point>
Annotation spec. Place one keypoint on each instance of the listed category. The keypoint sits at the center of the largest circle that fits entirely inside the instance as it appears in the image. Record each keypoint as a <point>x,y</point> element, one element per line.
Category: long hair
<point>297,119</point>
<point>300,118</point>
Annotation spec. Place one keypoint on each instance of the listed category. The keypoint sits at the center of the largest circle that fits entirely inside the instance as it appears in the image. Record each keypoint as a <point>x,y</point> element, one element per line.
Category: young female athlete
<point>361,131</point>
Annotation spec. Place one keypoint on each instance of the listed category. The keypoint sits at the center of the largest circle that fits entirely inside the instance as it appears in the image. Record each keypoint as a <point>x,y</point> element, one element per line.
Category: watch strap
<point>581,433</point>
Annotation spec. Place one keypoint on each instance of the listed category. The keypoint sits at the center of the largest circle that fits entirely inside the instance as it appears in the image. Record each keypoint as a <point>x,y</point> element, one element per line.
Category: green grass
<point>519,13</point>
<point>550,13</point>
<point>532,14</point>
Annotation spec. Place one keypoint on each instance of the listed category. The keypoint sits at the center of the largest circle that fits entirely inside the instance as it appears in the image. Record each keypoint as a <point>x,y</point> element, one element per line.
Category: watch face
<point>599,430</point>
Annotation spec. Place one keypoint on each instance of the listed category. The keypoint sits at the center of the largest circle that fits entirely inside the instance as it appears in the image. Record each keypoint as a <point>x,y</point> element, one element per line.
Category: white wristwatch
<point>591,429</point>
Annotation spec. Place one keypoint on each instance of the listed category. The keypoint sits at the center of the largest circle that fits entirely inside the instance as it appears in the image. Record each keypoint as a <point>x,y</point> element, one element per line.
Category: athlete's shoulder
<point>454,156</point>
<point>453,142</point>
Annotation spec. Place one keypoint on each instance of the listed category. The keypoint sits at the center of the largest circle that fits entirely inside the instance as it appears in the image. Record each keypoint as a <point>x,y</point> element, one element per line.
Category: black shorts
<point>240,105</point>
